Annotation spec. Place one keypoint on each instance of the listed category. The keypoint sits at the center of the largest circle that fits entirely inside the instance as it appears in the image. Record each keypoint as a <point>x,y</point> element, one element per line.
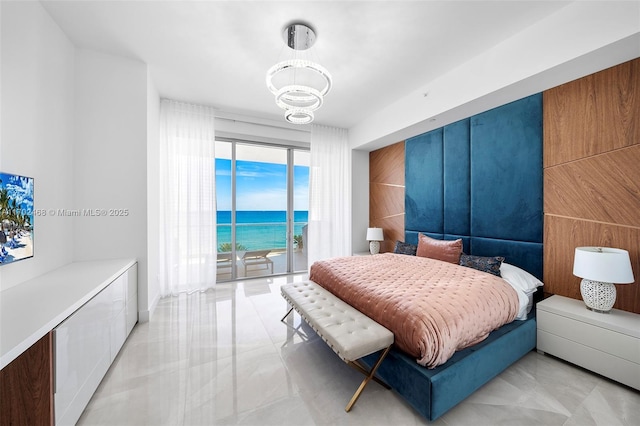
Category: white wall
<point>110,164</point>
<point>147,307</point>
<point>359,200</point>
<point>36,137</point>
<point>580,39</point>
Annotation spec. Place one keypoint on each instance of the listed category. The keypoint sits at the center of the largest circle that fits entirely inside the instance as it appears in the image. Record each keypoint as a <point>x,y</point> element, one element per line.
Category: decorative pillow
<point>484,264</point>
<point>405,248</point>
<point>448,251</point>
<point>519,278</point>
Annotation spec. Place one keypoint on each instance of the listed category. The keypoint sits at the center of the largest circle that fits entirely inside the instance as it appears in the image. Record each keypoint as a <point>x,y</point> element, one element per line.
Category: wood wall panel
<point>603,188</point>
<point>386,165</point>
<point>385,200</point>
<point>386,193</point>
<point>563,235</point>
<point>592,175</point>
<point>393,229</point>
<point>592,115</point>
<point>26,387</point>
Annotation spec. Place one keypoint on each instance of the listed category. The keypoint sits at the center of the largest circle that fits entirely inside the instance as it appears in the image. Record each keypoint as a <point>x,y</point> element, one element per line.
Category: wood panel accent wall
<point>592,175</point>
<point>26,386</point>
<point>386,193</point>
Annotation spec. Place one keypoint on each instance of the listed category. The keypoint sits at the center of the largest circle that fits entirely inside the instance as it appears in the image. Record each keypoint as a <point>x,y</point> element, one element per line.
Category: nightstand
<point>362,253</point>
<point>608,344</point>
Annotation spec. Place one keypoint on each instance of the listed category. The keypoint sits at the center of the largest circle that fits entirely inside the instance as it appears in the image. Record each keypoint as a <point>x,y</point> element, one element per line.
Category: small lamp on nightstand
<point>374,236</point>
<point>600,268</point>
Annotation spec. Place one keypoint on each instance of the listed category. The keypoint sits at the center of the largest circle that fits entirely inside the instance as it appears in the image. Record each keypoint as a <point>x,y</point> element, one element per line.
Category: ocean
<point>257,230</point>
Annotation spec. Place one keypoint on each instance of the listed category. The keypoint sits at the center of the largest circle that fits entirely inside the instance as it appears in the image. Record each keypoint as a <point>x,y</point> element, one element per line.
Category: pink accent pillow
<point>448,251</point>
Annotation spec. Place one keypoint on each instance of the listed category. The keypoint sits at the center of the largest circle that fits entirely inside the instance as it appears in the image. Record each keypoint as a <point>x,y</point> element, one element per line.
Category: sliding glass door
<point>300,209</point>
<point>262,196</point>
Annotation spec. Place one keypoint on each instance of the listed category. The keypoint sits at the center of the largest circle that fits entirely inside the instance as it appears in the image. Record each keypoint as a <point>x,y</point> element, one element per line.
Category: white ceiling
<point>217,52</point>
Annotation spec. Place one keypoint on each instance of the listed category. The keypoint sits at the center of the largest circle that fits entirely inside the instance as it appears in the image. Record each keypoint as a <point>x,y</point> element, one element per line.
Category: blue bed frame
<point>432,392</point>
<point>479,179</point>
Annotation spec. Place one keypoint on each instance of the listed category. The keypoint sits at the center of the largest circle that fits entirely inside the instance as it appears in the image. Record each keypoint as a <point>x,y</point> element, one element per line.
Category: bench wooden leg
<point>366,380</point>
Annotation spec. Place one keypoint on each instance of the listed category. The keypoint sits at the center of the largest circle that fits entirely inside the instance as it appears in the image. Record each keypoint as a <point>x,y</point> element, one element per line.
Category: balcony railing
<point>259,237</point>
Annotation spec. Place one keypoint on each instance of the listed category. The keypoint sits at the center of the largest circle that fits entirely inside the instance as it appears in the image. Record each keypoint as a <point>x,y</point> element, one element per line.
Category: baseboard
<point>145,316</point>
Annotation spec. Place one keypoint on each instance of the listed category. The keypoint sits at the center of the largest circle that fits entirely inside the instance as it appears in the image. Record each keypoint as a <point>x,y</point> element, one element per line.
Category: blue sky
<point>260,186</point>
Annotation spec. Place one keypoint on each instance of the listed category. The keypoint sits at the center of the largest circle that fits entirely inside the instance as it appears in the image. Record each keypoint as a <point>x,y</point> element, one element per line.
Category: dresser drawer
<point>608,341</point>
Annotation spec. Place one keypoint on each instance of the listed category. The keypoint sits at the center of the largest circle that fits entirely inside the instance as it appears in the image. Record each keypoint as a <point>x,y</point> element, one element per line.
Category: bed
<point>455,327</point>
<point>478,180</point>
<point>433,307</point>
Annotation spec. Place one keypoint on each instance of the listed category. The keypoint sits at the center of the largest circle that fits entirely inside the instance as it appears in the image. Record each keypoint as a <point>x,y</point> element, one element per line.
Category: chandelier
<point>299,84</point>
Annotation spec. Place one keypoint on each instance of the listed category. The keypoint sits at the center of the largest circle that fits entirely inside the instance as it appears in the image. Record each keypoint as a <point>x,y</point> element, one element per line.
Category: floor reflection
<point>225,357</point>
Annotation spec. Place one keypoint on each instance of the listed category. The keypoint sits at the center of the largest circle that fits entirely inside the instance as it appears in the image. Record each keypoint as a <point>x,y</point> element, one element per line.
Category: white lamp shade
<point>604,264</point>
<point>374,234</point>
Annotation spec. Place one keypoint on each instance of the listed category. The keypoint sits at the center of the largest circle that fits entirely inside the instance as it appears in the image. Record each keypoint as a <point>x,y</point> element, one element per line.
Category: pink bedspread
<point>433,308</point>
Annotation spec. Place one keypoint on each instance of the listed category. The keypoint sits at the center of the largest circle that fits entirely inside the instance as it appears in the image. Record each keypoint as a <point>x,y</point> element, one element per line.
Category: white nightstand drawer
<point>602,339</point>
<point>608,344</point>
<point>608,365</point>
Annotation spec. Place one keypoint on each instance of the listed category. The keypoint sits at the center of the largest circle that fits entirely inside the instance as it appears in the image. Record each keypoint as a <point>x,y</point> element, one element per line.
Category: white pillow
<point>519,278</point>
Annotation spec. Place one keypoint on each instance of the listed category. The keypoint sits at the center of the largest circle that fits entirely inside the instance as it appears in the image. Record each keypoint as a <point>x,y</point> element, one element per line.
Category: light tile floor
<point>223,357</point>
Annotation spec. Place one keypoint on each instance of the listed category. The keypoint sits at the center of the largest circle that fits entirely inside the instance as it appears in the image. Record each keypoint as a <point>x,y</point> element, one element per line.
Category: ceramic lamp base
<point>374,247</point>
<point>598,296</point>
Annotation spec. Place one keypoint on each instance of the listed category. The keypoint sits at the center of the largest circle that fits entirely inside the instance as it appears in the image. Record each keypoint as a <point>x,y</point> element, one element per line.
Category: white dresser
<point>608,344</point>
<point>87,342</point>
<point>59,333</point>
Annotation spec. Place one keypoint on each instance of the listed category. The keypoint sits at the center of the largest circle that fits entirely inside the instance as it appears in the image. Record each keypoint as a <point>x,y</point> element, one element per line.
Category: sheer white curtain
<point>329,194</point>
<point>187,198</point>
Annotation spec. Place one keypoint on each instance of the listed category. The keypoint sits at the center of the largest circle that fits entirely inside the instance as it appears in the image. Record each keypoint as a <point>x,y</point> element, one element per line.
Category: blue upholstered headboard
<point>480,179</point>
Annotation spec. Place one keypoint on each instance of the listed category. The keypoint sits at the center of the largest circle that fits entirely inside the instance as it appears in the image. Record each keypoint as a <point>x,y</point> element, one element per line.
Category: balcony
<point>260,250</point>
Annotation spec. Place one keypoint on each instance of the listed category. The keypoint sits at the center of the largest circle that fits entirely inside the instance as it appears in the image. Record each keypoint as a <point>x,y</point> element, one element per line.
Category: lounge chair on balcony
<point>256,257</point>
<point>225,260</point>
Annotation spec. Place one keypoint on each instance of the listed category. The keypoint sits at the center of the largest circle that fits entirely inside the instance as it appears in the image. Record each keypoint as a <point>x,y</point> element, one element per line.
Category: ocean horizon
<point>261,216</point>
<point>259,229</point>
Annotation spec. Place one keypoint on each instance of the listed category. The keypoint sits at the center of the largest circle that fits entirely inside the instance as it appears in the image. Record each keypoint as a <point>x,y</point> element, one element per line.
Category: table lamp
<point>600,268</point>
<point>374,236</point>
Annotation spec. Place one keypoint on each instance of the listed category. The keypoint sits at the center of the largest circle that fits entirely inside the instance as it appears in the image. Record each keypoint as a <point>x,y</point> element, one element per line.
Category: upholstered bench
<point>348,332</point>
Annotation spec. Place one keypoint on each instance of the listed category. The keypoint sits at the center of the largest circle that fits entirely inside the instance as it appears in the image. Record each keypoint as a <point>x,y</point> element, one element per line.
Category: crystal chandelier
<point>299,84</point>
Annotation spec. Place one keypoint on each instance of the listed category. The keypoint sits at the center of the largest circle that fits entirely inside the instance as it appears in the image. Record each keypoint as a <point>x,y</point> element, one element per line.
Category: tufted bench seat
<point>351,334</point>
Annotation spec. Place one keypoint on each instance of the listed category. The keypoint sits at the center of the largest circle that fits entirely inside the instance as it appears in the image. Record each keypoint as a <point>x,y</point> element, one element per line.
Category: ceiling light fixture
<point>299,84</point>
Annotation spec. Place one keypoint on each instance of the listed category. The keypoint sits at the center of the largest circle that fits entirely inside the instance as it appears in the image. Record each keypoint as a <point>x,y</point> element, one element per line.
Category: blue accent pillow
<point>484,264</point>
<point>405,248</point>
